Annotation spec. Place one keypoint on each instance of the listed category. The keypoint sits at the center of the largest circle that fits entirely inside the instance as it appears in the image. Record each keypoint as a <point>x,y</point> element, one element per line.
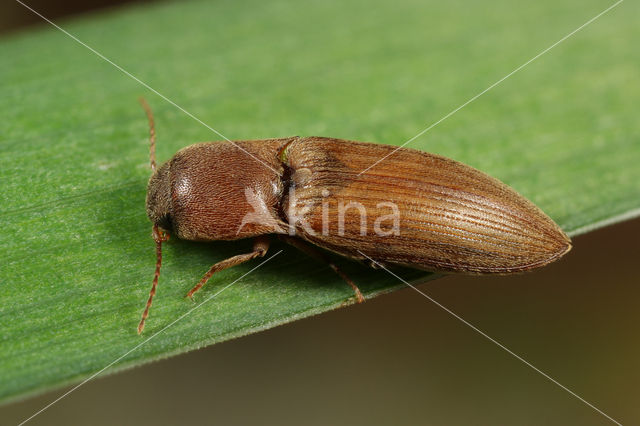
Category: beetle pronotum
<point>437,214</point>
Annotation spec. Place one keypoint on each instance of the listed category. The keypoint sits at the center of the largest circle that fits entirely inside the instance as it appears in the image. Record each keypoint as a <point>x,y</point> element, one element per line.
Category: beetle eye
<point>165,222</point>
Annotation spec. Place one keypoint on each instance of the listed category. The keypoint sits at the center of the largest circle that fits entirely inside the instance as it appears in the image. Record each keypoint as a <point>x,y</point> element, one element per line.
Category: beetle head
<point>159,205</point>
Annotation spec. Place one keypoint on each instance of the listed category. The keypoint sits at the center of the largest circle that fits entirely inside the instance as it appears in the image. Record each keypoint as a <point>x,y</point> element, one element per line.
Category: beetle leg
<point>260,247</point>
<point>316,254</point>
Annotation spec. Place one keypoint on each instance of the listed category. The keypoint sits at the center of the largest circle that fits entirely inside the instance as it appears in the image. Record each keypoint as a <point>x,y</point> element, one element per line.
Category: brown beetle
<point>413,209</point>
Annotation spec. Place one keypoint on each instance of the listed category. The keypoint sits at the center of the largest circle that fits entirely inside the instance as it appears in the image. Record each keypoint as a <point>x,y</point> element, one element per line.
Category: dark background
<point>399,359</point>
<point>14,17</point>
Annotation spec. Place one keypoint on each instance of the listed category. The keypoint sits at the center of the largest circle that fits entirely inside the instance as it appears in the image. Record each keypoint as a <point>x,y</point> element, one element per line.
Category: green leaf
<point>77,257</point>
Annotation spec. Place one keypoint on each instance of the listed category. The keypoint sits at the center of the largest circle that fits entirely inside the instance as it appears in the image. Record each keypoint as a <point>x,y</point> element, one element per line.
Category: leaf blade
<point>77,257</point>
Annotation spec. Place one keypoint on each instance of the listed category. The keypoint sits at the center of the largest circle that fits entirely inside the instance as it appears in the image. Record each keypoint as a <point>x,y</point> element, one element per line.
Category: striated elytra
<point>413,208</point>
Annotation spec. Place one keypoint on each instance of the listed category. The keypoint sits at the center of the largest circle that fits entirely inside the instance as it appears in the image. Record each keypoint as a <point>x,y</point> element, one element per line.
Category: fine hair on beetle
<point>353,212</point>
<point>320,194</point>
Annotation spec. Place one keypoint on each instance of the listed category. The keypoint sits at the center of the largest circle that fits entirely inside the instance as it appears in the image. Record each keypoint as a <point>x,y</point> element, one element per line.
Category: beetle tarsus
<point>359,295</point>
<point>260,247</point>
<point>356,290</point>
<point>316,254</point>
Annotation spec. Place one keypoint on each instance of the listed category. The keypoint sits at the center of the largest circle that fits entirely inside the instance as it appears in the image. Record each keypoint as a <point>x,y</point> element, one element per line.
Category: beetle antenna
<point>159,237</point>
<point>152,133</point>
